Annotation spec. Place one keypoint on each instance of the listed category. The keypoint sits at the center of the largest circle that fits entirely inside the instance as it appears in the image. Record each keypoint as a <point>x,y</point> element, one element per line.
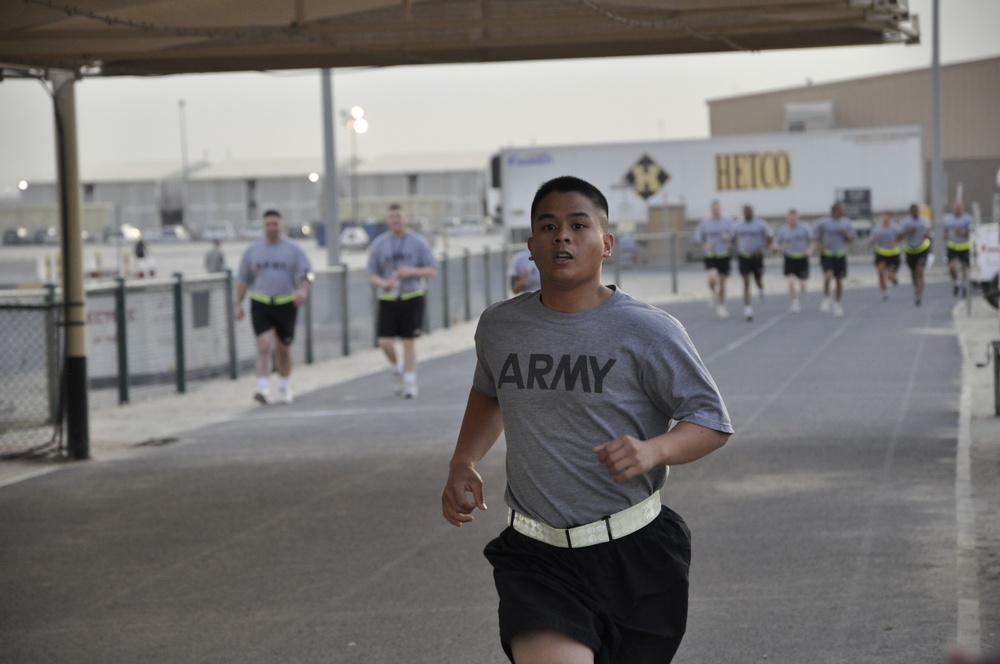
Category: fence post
<point>234,369</point>
<point>309,328</point>
<point>488,276</point>
<point>375,309</point>
<point>121,332</point>
<point>467,282</point>
<point>52,351</point>
<point>345,312</point>
<point>446,303</point>
<point>673,263</point>
<point>179,331</point>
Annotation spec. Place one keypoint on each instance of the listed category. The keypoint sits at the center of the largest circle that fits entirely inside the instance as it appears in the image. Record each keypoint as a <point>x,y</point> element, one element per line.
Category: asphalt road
<point>823,532</point>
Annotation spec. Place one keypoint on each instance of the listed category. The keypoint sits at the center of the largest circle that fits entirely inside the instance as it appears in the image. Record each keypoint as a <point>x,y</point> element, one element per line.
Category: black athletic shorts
<point>627,599</point>
<point>960,255</point>
<point>835,264</point>
<point>401,318</point>
<point>279,317</point>
<point>919,259</point>
<point>751,265</point>
<point>797,266</point>
<point>718,263</point>
<point>892,262</point>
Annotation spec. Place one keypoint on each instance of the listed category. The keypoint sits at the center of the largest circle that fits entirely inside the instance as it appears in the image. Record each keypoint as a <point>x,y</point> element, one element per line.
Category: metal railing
<point>150,337</point>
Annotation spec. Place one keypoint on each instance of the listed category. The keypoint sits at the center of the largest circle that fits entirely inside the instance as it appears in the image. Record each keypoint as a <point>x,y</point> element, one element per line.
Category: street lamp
<point>356,124</point>
<point>184,163</point>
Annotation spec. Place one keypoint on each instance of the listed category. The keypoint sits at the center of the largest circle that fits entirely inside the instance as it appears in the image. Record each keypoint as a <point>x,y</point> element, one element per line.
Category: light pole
<point>356,124</point>
<point>184,162</point>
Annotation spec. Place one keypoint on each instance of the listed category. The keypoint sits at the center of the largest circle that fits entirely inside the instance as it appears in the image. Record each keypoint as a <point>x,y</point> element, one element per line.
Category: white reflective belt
<point>607,529</point>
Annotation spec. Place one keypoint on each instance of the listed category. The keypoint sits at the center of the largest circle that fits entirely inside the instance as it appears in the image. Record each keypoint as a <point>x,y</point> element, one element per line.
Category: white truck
<point>987,261</point>
<point>880,167</point>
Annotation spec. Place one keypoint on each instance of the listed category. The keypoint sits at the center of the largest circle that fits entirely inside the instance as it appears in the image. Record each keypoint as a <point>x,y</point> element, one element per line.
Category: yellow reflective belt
<point>402,297</point>
<point>916,250</point>
<point>795,254</point>
<point>835,254</point>
<point>887,252</point>
<point>274,301</point>
<point>709,254</point>
<point>959,247</point>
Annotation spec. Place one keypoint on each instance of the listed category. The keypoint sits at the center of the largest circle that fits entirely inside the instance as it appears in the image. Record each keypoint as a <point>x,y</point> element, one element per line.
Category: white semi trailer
<point>872,169</point>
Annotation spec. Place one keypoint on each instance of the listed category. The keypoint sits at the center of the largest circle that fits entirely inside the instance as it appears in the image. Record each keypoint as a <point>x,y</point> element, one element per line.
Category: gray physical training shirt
<point>522,262</point>
<point>718,233</point>
<point>794,241</point>
<point>914,231</point>
<point>885,237</point>
<point>752,236</point>
<point>570,382</point>
<point>956,229</point>
<point>275,269</point>
<point>830,233</point>
<point>389,252</point>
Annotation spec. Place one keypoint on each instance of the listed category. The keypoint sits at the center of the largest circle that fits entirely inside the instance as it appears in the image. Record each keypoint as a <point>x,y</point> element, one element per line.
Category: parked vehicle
<point>218,230</point>
<point>175,233</point>
<point>152,234</point>
<point>353,237</point>
<point>987,273</point>
<point>123,233</point>
<point>15,236</point>
<point>46,236</point>
<point>254,230</point>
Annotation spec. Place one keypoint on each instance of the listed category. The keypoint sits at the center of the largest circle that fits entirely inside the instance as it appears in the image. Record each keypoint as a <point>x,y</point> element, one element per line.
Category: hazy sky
<point>445,108</point>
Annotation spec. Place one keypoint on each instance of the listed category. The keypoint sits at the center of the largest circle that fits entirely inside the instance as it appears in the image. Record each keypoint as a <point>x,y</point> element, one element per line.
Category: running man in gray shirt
<point>885,239</point>
<point>957,236</point>
<point>753,238</point>
<point>592,566</point>
<point>277,274</point>
<point>794,240</point>
<point>831,235</point>
<point>916,232</point>
<point>523,273</point>
<point>715,234</point>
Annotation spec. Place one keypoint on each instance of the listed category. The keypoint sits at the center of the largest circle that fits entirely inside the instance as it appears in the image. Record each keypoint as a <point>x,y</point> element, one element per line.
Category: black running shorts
<point>279,317</point>
<point>401,318</point>
<point>627,599</point>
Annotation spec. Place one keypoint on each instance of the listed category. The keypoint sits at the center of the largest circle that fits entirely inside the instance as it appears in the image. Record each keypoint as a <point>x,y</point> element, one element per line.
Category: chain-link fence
<point>29,364</point>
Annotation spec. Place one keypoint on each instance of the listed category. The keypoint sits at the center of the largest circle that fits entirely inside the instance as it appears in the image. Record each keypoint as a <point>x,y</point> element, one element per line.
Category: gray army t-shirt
<point>275,269</point>
<point>570,382</point>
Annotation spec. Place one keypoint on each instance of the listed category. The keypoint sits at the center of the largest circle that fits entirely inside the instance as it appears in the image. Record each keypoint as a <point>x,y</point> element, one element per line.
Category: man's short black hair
<point>569,184</point>
<point>272,213</point>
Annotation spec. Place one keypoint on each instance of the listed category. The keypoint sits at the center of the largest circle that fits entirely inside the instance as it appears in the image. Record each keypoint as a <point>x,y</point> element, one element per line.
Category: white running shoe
<point>410,391</point>
<point>397,382</point>
<point>721,312</point>
<point>286,394</point>
<point>824,306</point>
<point>838,311</point>
<point>748,312</point>
<point>260,397</point>
<point>795,308</point>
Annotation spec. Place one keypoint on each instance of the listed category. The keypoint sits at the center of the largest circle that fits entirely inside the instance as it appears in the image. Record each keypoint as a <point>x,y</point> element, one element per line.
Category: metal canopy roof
<point>153,37</point>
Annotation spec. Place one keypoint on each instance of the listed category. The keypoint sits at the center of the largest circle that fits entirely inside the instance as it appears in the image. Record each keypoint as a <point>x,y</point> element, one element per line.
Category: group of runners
<point>752,238</point>
<point>276,273</point>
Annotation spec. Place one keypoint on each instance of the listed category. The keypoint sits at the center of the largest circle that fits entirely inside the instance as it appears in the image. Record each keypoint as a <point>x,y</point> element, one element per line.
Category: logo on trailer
<point>647,177</point>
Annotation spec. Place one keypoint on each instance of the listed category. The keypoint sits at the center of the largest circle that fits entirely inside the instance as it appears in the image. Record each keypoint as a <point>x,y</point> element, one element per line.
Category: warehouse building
<point>970,131</point>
